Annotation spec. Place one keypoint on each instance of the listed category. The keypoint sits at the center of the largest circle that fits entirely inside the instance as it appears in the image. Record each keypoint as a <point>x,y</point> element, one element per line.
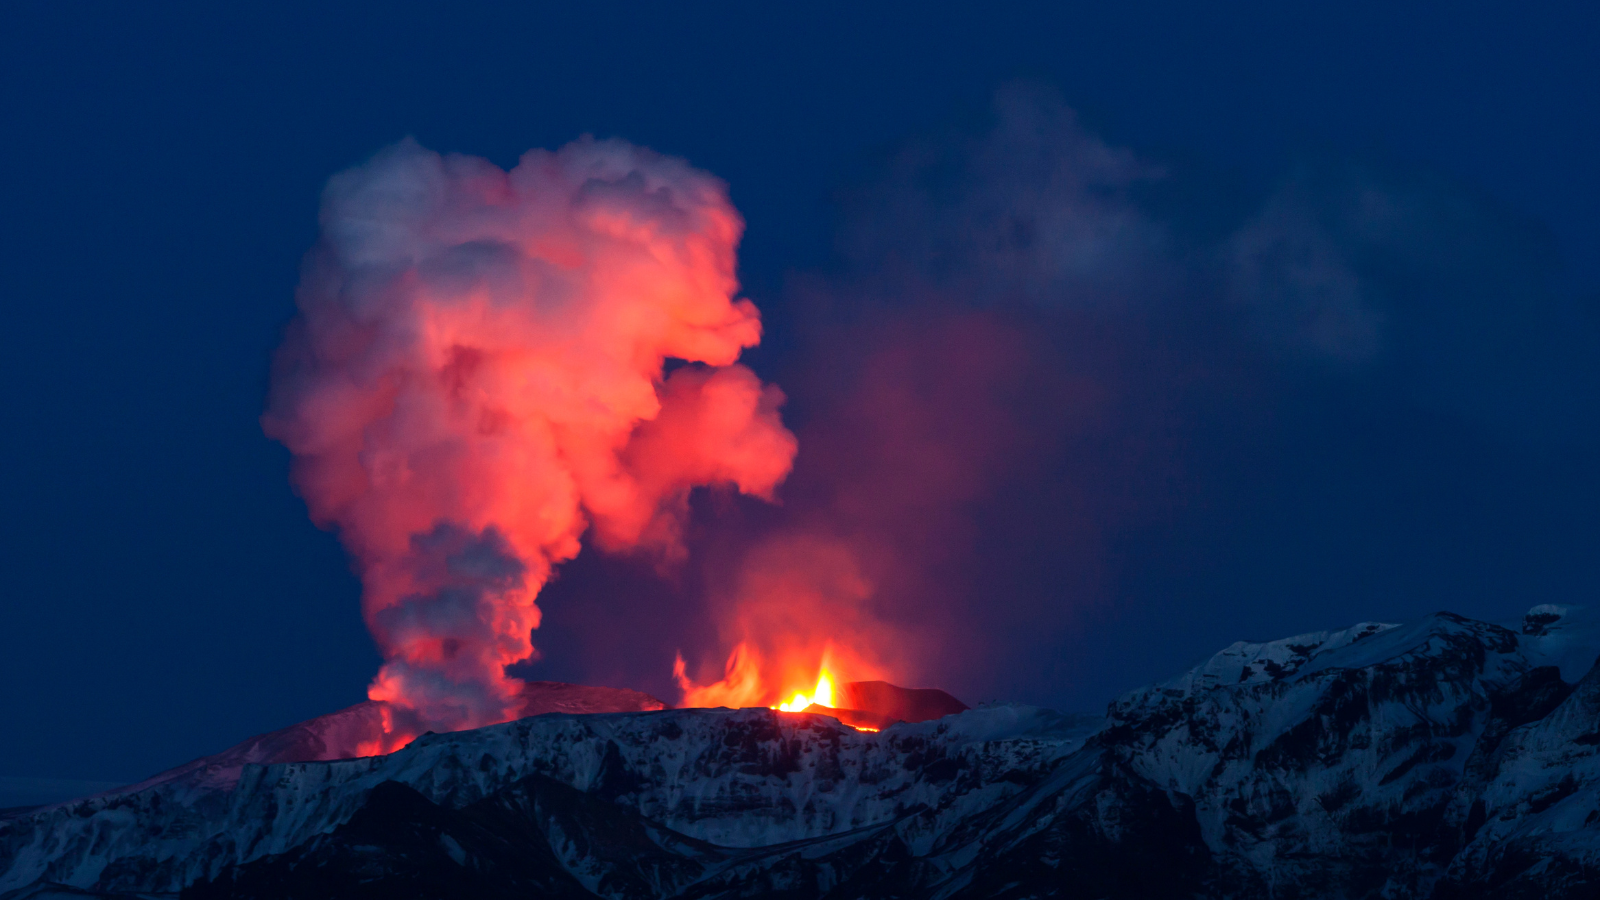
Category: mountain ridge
<point>1445,757</point>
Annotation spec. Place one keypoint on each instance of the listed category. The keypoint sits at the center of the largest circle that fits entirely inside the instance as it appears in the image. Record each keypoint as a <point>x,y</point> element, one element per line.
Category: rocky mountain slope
<point>1444,758</point>
<point>339,735</point>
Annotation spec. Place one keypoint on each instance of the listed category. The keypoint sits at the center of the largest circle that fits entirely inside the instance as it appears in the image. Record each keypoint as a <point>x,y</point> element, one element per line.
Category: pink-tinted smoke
<point>871,572</point>
<point>477,376</point>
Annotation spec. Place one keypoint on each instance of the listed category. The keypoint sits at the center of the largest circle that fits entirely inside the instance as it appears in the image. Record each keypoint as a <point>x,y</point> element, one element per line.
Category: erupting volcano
<point>489,365</point>
<point>479,376</point>
<point>863,705</point>
<point>821,695</point>
<point>821,700</point>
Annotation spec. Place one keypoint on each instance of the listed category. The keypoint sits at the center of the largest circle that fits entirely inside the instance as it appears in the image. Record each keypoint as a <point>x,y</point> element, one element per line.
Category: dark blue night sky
<point>1286,317</point>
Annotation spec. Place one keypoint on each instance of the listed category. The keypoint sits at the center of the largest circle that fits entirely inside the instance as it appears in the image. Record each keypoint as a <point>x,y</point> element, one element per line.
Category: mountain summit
<point>1444,758</point>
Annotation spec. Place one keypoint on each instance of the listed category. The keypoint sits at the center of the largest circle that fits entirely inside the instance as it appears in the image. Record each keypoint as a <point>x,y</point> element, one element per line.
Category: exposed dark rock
<point>1445,759</point>
<point>895,703</point>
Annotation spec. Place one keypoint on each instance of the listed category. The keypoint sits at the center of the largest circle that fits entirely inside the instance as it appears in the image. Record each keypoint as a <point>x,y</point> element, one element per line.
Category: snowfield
<point>1443,758</point>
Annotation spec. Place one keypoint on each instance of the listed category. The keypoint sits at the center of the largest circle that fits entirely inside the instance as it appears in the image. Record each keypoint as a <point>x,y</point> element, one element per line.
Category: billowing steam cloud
<point>478,375</point>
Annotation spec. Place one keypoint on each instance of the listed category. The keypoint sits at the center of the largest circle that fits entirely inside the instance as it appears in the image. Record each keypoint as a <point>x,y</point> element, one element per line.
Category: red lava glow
<point>744,684</point>
<point>477,378</point>
<point>799,617</point>
<point>820,700</point>
<point>821,695</point>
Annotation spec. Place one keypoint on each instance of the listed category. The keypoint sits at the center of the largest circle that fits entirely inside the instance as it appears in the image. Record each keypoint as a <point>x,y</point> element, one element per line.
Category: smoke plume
<point>478,375</point>
<point>868,571</point>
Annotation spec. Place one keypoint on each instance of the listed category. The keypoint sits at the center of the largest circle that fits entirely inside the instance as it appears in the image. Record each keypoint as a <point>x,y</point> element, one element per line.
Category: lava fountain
<point>821,695</point>
<point>863,704</point>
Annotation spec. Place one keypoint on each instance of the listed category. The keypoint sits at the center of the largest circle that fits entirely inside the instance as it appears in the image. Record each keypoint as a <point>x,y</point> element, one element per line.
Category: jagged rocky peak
<point>1563,635</point>
<point>1538,620</point>
<point>1443,759</point>
<point>1244,662</point>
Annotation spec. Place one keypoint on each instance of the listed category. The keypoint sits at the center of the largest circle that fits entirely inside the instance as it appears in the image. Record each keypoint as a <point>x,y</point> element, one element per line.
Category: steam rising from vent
<point>800,612</point>
<point>478,375</point>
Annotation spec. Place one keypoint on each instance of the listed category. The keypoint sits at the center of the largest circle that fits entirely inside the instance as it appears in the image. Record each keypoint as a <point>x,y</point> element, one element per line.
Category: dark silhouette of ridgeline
<point>876,705</point>
<point>1440,759</point>
<point>901,704</point>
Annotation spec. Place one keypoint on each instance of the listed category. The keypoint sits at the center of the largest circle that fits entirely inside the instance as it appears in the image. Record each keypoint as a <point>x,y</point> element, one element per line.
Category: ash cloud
<point>477,378</point>
<point>1442,292</point>
<point>1048,384</point>
<point>1040,356</point>
<point>1035,208</point>
<point>1357,267</point>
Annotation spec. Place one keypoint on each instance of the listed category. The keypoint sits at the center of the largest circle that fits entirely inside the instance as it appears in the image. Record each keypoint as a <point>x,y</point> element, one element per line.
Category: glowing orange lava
<point>822,695</point>
<point>752,679</point>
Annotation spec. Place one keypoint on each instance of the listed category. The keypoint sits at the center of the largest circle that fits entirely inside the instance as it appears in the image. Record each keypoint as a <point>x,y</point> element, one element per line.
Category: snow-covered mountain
<point>339,735</point>
<point>1443,758</point>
